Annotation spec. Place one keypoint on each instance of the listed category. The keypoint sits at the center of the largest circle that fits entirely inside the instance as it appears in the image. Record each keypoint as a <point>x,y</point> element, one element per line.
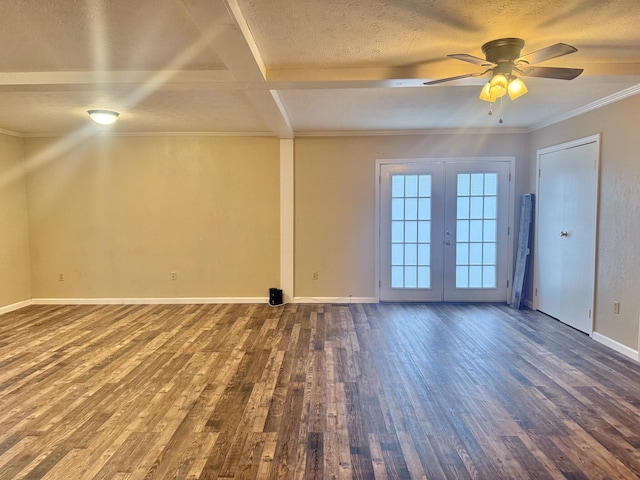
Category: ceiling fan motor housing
<point>503,50</point>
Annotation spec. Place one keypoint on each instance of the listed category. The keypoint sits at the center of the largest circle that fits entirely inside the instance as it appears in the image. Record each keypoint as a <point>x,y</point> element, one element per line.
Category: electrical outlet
<point>314,276</point>
<point>61,277</point>
<point>616,307</point>
<point>174,275</point>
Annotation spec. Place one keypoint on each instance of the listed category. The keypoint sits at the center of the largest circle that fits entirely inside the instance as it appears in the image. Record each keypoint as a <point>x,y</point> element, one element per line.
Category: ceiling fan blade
<point>547,53</point>
<point>552,72</point>
<point>450,79</point>
<point>471,59</point>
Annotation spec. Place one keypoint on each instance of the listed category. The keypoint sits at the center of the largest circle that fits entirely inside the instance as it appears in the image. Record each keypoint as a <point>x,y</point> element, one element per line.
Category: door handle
<point>564,234</point>
<point>448,242</point>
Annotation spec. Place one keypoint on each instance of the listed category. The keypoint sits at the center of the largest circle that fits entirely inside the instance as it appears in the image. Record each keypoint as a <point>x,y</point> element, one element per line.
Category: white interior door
<point>444,231</point>
<point>567,194</point>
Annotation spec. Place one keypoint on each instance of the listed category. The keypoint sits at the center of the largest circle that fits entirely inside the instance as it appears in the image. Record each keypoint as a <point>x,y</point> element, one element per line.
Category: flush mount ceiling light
<point>103,117</point>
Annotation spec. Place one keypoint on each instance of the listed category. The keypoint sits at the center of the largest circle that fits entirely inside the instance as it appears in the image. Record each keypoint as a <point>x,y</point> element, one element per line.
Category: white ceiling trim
<point>236,14</point>
<point>10,133</point>
<point>622,94</point>
<point>99,79</point>
<point>341,133</point>
<point>84,133</point>
<point>434,131</point>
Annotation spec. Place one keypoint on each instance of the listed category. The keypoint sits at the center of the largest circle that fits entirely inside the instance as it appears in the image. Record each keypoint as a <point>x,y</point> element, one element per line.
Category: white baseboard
<point>15,306</point>
<point>177,301</point>
<point>617,346</point>
<point>147,301</point>
<point>335,300</point>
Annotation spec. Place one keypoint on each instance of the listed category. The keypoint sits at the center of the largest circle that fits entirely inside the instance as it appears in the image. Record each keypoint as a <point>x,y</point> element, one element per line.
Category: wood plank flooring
<point>393,391</point>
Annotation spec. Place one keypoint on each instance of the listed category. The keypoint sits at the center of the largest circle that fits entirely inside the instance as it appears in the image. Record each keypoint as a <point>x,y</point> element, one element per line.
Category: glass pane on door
<point>476,230</point>
<point>410,231</point>
<point>411,242</point>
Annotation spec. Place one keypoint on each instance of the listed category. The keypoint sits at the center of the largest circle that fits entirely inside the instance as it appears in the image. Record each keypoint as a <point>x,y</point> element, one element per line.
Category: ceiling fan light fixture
<point>485,94</point>
<point>498,86</point>
<point>103,117</point>
<point>516,88</point>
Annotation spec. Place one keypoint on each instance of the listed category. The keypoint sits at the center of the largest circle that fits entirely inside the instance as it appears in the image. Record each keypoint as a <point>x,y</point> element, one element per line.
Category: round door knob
<point>448,242</point>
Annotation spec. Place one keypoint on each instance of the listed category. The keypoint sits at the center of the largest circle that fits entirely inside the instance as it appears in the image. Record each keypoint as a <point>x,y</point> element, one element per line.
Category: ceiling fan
<point>503,60</point>
<point>503,56</point>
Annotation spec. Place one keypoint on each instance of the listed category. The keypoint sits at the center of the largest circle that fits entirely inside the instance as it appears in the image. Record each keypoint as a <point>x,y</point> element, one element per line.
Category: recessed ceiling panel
<point>427,108</point>
<point>101,35</point>
<point>190,111</point>
<point>361,33</point>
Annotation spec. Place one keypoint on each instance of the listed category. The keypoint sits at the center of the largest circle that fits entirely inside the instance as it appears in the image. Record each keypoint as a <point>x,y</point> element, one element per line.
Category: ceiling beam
<point>409,75</point>
<point>226,30</point>
<point>259,90</point>
<point>97,78</point>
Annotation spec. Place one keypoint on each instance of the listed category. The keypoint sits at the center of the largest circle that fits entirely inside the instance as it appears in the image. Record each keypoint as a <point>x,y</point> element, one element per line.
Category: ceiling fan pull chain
<point>500,121</point>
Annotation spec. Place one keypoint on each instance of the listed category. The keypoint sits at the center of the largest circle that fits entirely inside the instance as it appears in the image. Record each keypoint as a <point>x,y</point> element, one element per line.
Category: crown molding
<point>148,134</point>
<point>429,131</point>
<point>310,134</point>
<point>622,94</point>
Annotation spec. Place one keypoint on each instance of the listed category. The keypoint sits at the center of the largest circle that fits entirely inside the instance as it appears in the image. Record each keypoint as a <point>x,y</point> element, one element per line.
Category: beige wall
<point>618,242</point>
<point>14,244</point>
<point>117,215</point>
<point>335,201</point>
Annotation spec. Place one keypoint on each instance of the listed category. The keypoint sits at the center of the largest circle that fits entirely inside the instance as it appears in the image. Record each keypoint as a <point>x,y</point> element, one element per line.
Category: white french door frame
<point>427,160</point>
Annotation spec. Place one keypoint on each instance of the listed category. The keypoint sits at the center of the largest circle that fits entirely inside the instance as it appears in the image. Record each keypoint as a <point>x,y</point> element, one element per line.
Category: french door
<point>444,230</point>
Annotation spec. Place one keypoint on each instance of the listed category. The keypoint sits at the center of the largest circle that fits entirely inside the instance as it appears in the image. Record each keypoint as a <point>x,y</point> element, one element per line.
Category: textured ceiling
<point>293,67</point>
<point>361,33</point>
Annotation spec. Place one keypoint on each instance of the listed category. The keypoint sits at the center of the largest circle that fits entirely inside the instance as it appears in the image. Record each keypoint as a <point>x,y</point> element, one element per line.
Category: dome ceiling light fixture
<point>103,117</point>
<point>503,60</point>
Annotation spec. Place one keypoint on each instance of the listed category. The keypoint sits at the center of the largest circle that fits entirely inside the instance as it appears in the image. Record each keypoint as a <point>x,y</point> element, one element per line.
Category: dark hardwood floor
<point>311,391</point>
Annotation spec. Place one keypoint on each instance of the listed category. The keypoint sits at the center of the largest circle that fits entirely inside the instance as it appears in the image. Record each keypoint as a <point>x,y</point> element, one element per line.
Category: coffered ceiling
<point>298,67</point>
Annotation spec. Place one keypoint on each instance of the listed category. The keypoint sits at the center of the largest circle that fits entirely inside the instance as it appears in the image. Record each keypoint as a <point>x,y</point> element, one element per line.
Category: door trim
<point>555,148</point>
<point>511,212</point>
